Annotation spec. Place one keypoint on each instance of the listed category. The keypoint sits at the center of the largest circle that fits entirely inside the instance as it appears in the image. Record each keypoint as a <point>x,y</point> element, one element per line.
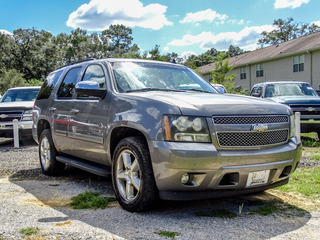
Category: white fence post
<point>15,133</point>
<point>297,122</point>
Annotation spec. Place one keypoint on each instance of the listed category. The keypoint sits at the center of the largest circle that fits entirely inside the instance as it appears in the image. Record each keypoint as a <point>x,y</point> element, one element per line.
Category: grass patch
<point>315,157</point>
<point>167,234</point>
<point>90,200</point>
<point>29,231</point>
<point>220,213</point>
<point>305,181</point>
<point>271,207</point>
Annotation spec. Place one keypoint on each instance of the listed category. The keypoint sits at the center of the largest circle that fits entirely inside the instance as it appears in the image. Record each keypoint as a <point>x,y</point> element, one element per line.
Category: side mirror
<point>256,95</point>
<point>90,88</point>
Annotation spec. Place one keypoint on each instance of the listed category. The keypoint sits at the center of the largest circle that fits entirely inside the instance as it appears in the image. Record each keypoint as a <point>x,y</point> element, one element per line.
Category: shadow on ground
<point>191,219</point>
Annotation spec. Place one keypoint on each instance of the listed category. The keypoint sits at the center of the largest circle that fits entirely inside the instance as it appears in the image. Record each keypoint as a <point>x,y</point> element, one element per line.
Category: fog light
<point>185,178</point>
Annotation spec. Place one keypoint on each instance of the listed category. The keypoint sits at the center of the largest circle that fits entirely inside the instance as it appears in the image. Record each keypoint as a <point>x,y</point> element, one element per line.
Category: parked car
<point>17,103</point>
<point>159,137</point>
<point>219,87</point>
<point>299,96</point>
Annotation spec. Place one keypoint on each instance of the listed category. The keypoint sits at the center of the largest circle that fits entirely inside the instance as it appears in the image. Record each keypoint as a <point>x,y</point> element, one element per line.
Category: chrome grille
<point>249,119</point>
<point>233,139</point>
<point>9,116</point>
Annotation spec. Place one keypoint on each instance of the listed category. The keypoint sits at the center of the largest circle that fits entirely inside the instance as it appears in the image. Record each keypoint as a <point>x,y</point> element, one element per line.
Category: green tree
<point>117,38</point>
<point>221,73</point>
<point>286,30</point>
<point>11,78</point>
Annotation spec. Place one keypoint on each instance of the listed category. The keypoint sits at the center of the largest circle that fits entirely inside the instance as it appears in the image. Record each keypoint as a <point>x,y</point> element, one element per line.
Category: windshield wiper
<point>154,89</point>
<point>197,90</point>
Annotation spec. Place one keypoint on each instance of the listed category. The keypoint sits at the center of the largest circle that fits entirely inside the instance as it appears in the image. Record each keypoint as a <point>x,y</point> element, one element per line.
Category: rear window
<point>48,85</point>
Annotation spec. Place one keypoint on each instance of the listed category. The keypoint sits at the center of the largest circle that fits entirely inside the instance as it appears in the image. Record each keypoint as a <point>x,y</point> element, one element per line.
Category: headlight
<point>292,126</point>
<point>27,115</point>
<point>185,129</point>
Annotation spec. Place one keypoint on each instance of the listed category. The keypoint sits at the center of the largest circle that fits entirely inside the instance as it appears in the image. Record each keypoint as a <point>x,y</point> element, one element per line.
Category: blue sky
<point>181,26</point>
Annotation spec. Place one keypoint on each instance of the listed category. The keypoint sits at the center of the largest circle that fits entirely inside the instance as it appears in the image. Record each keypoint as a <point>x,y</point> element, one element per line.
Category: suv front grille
<point>252,138</point>
<point>306,110</point>
<point>249,119</point>
<point>9,116</point>
<point>251,131</point>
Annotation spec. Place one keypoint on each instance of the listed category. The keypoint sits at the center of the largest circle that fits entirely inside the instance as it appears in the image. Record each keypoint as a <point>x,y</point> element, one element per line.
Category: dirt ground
<point>30,199</point>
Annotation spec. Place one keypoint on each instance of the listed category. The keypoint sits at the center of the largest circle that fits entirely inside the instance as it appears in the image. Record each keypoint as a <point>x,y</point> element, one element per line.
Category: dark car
<point>299,96</point>
<point>17,103</point>
<point>161,131</point>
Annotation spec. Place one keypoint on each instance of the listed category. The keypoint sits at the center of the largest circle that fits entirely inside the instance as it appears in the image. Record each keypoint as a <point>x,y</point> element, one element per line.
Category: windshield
<point>141,76</point>
<point>20,95</point>
<point>290,89</point>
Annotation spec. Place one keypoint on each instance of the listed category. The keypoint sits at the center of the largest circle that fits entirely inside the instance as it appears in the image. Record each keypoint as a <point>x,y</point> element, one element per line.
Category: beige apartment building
<point>294,60</point>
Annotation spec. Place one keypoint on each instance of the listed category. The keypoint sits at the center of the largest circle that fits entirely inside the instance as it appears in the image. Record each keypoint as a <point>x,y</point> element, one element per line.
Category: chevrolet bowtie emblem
<point>310,109</point>
<point>3,116</point>
<point>259,128</point>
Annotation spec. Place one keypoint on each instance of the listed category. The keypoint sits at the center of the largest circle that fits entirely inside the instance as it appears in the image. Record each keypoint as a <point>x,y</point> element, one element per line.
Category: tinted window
<point>48,85</point>
<point>68,84</point>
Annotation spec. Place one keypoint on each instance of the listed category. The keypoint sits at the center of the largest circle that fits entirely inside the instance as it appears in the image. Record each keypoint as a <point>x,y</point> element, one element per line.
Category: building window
<point>243,74</point>
<point>259,70</point>
<point>298,63</point>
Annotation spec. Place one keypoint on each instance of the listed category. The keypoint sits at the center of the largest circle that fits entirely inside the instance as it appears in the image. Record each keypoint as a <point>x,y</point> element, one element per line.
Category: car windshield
<point>20,95</point>
<point>141,76</point>
<point>290,89</point>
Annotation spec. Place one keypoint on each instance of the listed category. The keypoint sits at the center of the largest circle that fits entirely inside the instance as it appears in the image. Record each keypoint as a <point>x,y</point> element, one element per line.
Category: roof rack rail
<point>80,61</point>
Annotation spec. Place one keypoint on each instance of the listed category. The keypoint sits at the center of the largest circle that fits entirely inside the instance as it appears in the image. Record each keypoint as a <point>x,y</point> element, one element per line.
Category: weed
<point>167,234</point>
<point>90,200</point>
<point>29,231</point>
<point>220,213</point>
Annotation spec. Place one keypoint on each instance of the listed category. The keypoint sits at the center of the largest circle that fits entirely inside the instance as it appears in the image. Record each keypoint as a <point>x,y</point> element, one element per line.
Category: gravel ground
<point>30,199</point>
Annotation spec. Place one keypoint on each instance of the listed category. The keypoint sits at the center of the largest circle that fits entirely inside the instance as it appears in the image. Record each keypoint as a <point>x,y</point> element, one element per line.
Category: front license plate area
<point>258,178</point>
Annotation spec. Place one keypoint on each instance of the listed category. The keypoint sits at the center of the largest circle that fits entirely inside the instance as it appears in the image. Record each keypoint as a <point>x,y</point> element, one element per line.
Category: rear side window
<point>68,83</point>
<point>48,85</point>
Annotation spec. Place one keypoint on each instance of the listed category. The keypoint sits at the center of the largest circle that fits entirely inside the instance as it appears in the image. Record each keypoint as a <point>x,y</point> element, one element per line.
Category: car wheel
<point>47,155</point>
<point>132,175</point>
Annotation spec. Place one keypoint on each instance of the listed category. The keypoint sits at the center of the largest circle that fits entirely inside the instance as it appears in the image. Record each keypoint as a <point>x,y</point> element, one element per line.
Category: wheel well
<point>42,125</point>
<point>123,132</point>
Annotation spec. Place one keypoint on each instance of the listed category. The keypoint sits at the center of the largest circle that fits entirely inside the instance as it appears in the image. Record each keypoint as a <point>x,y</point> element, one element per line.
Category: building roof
<point>309,43</point>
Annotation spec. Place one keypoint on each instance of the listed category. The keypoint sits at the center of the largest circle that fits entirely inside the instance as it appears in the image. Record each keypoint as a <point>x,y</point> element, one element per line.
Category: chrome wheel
<point>45,154</point>
<point>128,175</point>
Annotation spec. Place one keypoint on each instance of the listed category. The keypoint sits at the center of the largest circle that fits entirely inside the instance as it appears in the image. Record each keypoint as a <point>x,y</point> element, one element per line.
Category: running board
<point>91,167</point>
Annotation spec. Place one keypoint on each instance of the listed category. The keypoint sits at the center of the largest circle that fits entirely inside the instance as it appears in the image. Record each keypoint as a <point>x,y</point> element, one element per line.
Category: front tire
<point>132,175</point>
<point>47,155</point>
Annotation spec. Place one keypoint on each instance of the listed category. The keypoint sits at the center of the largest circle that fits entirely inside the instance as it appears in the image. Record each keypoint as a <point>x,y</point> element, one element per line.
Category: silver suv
<point>162,132</point>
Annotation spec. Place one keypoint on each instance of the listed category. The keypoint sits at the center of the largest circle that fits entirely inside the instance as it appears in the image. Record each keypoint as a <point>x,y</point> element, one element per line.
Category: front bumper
<point>218,173</point>
<point>25,129</point>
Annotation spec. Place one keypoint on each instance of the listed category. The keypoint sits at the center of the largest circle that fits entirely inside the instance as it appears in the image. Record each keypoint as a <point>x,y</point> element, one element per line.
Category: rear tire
<point>47,155</point>
<point>132,175</point>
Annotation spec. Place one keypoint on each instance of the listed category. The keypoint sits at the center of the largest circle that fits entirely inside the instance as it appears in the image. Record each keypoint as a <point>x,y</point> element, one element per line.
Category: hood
<point>296,100</point>
<point>16,105</point>
<point>206,104</point>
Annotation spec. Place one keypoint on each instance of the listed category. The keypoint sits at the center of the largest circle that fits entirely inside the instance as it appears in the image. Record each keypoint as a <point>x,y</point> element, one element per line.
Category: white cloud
<point>316,23</point>
<point>5,32</point>
<point>166,49</point>
<point>206,15</point>
<point>98,15</point>
<point>247,38</point>
<point>289,3</point>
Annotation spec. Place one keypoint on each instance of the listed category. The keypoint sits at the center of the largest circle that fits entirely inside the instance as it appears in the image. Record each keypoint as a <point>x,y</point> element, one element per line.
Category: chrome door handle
<point>52,109</point>
<point>75,111</point>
